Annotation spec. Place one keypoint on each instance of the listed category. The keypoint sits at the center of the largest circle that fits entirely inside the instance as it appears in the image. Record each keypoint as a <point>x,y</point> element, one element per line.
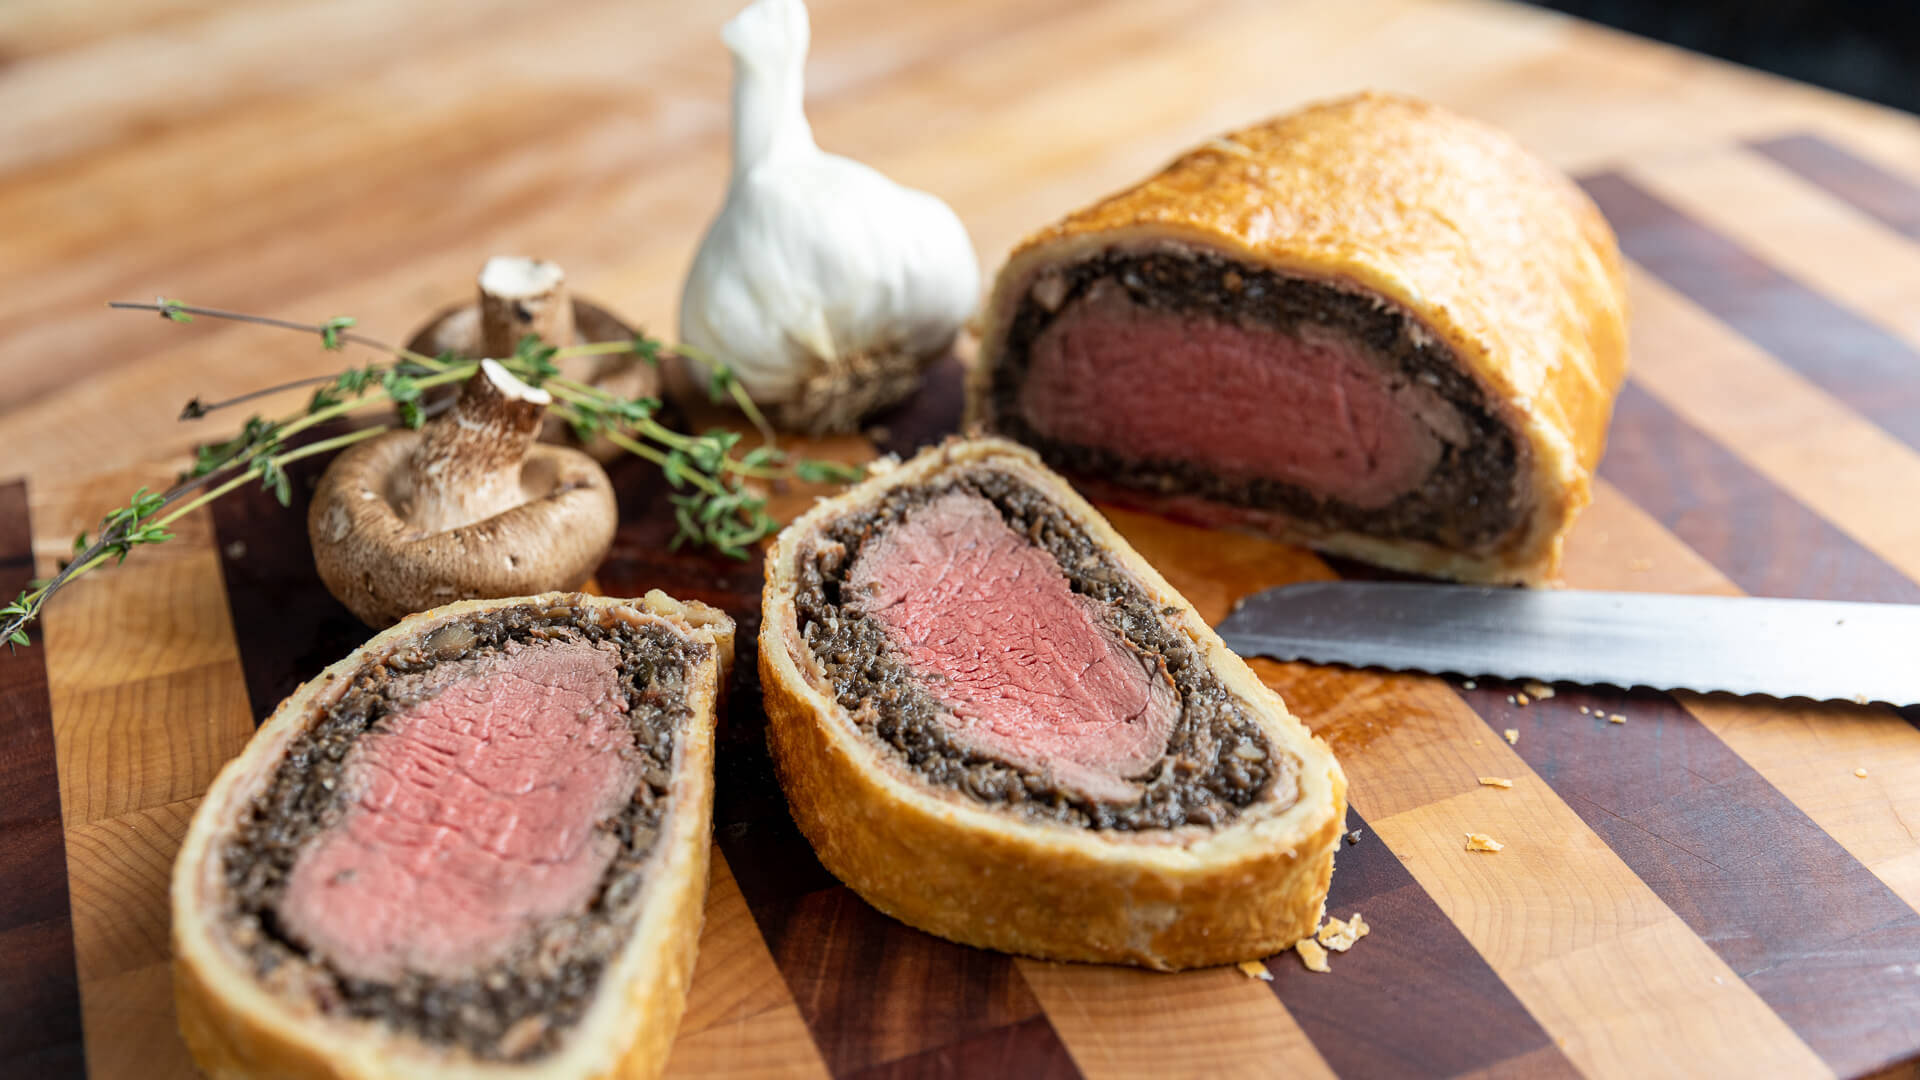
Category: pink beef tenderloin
<point>473,816</point>
<point>1028,672</point>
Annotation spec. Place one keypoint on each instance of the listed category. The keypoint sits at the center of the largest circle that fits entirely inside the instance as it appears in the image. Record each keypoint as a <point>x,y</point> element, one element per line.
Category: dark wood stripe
<point>1890,199</point>
<point>1427,1002</point>
<point>1826,944</point>
<point>39,981</point>
<point>1027,1050</point>
<point>287,625</point>
<point>1865,366</point>
<point>1755,533</point>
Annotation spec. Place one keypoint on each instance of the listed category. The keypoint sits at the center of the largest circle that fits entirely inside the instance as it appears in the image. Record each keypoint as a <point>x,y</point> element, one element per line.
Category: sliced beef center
<point>454,847</point>
<point>1185,373</point>
<point>473,816</point>
<point>972,628</point>
<point>1029,673</point>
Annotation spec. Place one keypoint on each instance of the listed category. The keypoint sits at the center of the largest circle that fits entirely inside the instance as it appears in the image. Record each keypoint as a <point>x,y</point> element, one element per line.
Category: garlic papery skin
<point>826,287</point>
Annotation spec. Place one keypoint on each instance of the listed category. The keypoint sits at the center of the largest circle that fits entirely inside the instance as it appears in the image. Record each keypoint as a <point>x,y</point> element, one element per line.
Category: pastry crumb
<point>1639,565</point>
<point>1479,841</point>
<point>1354,836</point>
<point>1495,781</point>
<point>1254,969</point>
<point>1519,699</point>
<point>1860,699</point>
<point>1470,685</point>
<point>1312,955</point>
<point>1584,711</point>
<point>1861,773</point>
<point>1340,936</point>
<point>1540,691</point>
<point>1616,718</point>
<point>1513,736</point>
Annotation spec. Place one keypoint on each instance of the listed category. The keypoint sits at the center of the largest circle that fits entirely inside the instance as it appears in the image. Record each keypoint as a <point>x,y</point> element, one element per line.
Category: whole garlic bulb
<point>825,286</point>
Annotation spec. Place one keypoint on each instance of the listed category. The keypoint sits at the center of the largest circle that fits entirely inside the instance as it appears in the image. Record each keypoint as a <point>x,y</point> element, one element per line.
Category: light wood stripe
<point>1606,967</point>
<point>1862,184</point>
<point>1845,469</point>
<point>130,773</point>
<point>1806,232</point>
<point>740,1019</point>
<point>1594,954</point>
<point>131,1028</point>
<point>1111,1020</point>
<point>120,643</point>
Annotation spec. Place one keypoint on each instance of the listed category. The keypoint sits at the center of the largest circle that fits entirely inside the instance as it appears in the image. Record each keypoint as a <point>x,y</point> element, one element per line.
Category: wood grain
<point>1854,359</point>
<point>313,159</point>
<point>1109,1019</point>
<point>39,987</point>
<point>1866,186</point>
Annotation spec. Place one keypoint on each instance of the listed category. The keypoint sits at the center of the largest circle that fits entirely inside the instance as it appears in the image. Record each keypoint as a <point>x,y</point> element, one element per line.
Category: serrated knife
<point>1745,645</point>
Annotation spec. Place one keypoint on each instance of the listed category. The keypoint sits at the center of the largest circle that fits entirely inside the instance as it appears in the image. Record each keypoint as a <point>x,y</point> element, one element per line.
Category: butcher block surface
<point>1714,886</point>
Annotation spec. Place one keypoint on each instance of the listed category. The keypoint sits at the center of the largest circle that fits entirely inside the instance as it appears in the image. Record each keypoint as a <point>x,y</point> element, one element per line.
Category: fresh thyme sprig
<point>712,503</point>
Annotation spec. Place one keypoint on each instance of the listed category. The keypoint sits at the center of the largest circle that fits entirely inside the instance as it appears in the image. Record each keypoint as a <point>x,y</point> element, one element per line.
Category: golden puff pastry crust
<point>946,863</point>
<point>1492,251</point>
<point>237,1028</point>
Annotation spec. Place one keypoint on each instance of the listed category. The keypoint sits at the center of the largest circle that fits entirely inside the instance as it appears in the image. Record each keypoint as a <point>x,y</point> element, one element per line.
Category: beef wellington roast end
<point>997,723</point>
<point>1371,326</point>
<point>475,847</point>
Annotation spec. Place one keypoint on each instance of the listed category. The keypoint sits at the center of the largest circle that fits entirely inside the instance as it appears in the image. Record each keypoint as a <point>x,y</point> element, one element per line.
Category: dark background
<point>1867,48</point>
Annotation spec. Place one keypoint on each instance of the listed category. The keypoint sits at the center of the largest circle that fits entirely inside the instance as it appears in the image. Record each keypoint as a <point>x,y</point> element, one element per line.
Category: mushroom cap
<point>384,569</point>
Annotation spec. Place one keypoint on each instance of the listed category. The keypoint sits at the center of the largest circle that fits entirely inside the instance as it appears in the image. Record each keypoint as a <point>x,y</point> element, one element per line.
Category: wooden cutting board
<point>1714,886</point>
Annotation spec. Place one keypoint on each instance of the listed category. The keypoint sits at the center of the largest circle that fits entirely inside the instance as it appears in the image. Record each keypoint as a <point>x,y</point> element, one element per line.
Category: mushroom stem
<point>521,296</point>
<point>467,465</point>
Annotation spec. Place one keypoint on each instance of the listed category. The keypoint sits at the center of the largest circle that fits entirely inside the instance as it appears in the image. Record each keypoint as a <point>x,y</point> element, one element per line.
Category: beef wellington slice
<point>997,723</point>
<point>1371,326</point>
<point>476,847</point>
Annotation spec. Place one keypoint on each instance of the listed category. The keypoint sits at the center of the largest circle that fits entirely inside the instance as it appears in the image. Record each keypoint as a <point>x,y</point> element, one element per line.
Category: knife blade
<point>1817,649</point>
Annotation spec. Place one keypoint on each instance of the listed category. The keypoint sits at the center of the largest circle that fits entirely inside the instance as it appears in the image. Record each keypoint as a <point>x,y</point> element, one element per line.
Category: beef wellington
<point>476,847</point>
<point>997,723</point>
<point>1371,326</point>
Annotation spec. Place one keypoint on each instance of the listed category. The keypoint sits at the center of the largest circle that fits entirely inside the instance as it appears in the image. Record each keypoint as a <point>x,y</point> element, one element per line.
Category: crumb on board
<point>1539,690</point>
<point>1354,836</point>
<point>1511,701</point>
<point>1639,565</point>
<point>1860,699</point>
<point>1340,935</point>
<point>1495,781</point>
<point>1470,685</point>
<point>1861,773</point>
<point>1254,969</point>
<point>1312,955</point>
<point>1520,699</point>
<point>1513,736</point>
<point>1616,718</point>
<point>1479,841</point>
